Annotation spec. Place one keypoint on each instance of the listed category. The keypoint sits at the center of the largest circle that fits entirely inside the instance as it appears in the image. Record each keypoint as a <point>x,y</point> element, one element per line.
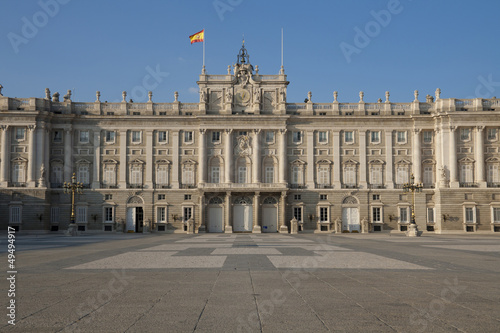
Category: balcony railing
<point>17,184</point>
<point>108,185</point>
<point>376,186</point>
<point>349,185</point>
<point>429,185</point>
<point>324,186</point>
<point>493,184</point>
<point>135,186</point>
<point>469,184</point>
<point>186,186</point>
<point>56,185</point>
<point>160,186</point>
<point>297,186</point>
<point>398,186</point>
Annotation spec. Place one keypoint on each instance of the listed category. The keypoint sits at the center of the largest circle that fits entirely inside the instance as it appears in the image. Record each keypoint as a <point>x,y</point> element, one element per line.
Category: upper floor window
<point>376,175</point>
<point>466,173</point>
<point>109,177</point>
<point>110,136</point>
<point>402,174</point>
<point>269,137</point>
<point>18,173</point>
<point>20,133</point>
<point>215,174</point>
<point>57,138</point>
<point>162,136</point>
<point>136,136</point>
<point>216,136</point>
<point>83,174</point>
<point>492,134</point>
<point>136,174</point>
<point>493,173</point>
<point>427,135</point>
<point>188,137</point>
<point>401,137</point>
<point>324,175</point>
<point>269,179</point>
<point>297,136</point>
<point>375,137</point>
<point>465,134</point>
<point>84,136</point>
<point>162,175</point>
<point>322,137</point>
<point>350,175</point>
<point>348,137</point>
<point>428,174</point>
<point>188,174</point>
<point>243,133</point>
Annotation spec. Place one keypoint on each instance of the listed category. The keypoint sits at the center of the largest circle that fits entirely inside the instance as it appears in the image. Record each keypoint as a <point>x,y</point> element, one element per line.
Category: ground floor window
<point>376,214</point>
<point>108,214</point>
<point>297,213</point>
<point>323,214</point>
<point>81,214</point>
<point>403,214</point>
<point>469,215</point>
<point>161,215</point>
<point>54,215</point>
<point>188,213</point>
<point>430,215</point>
<point>15,214</point>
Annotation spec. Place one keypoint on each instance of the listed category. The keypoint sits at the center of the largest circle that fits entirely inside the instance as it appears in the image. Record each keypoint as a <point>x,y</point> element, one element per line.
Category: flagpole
<point>203,48</point>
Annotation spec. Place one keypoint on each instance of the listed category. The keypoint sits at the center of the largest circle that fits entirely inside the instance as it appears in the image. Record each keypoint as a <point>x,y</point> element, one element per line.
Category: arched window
<point>269,170</point>
<point>243,167</point>
<point>215,170</point>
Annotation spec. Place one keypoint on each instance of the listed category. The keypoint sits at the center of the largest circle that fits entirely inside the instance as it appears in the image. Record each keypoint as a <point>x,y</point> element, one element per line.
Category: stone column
<point>228,156</point>
<point>336,159</point>
<point>202,157</point>
<point>123,160</point>
<point>389,180</point>
<point>479,156</point>
<point>282,220</point>
<point>5,163</point>
<point>46,156</point>
<point>175,159</point>
<point>257,229</point>
<point>310,160</point>
<point>96,174</point>
<point>68,154</point>
<point>256,156</point>
<point>149,159</point>
<point>202,227</point>
<point>228,228</point>
<point>453,159</point>
<point>283,157</point>
<point>32,157</point>
<point>417,163</point>
<point>362,159</point>
<point>438,154</point>
<point>40,148</point>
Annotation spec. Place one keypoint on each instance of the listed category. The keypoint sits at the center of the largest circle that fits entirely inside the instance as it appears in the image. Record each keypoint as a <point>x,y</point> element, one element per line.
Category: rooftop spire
<point>243,56</point>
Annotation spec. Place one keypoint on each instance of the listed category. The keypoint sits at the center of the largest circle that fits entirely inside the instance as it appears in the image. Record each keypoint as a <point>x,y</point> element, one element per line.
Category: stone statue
<point>338,224</point>
<point>364,225</point>
<point>335,96</point>
<point>256,96</point>
<point>283,95</point>
<point>229,96</point>
<point>228,69</point>
<point>1,87</point>
<point>361,95</point>
<point>97,96</point>
<point>176,96</point>
<point>415,93</point>
<point>387,94</point>
<point>42,171</point>
<point>429,99</point>
<point>309,96</point>
<point>257,70</point>
<point>438,94</point>
<point>124,95</point>
<point>47,94</point>
<point>443,174</point>
<point>55,97</point>
<point>67,97</point>
<point>150,96</point>
<point>379,100</point>
<point>203,96</point>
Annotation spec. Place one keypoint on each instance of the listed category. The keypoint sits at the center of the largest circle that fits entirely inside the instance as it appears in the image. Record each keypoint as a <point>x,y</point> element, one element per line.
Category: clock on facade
<point>243,95</point>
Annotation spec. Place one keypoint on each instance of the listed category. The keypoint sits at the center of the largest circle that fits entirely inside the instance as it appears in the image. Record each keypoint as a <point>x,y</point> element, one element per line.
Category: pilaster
<point>453,159</point>
<point>416,155</point>
<point>96,174</point>
<point>256,214</point>
<point>362,159</point>
<point>175,159</point>
<point>256,168</point>
<point>68,154</point>
<point>123,160</point>
<point>283,157</point>
<point>336,159</point>
<point>479,156</point>
<point>389,179</point>
<point>228,228</point>
<point>32,157</point>
<point>282,220</point>
<point>228,156</point>
<point>202,157</point>
<point>149,159</point>
<point>5,159</point>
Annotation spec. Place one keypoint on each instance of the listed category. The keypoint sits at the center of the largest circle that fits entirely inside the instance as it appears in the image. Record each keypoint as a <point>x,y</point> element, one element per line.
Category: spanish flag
<point>198,37</point>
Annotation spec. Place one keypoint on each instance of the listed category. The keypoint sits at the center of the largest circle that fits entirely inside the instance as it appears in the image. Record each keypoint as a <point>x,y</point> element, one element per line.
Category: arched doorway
<point>350,215</point>
<point>270,215</point>
<point>135,214</point>
<point>242,215</point>
<point>215,215</point>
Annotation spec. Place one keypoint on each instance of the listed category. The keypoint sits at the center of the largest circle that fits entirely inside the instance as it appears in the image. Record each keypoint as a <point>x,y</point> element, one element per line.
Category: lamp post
<point>412,187</point>
<point>72,188</point>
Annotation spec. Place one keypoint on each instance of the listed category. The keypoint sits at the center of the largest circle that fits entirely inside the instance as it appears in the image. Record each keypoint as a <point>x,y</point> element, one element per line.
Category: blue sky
<point>348,46</point>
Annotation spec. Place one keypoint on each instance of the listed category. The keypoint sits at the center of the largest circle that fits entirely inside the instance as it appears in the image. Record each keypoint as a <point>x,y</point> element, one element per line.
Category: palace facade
<point>244,159</point>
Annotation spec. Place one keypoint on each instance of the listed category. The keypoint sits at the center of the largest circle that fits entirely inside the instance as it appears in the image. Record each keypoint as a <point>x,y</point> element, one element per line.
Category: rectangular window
<point>269,137</point>
<point>216,136</point>
<point>465,134</point>
<point>323,214</point>
<point>57,174</point>
<point>493,173</point>
<point>269,179</point>
<point>84,136</point>
<point>161,215</point>
<point>108,197</point>
<point>402,174</point>
<point>20,132</point>
<point>162,136</point>
<point>15,214</point>
<point>243,133</point>
<point>324,175</point>
<point>469,215</point>
<point>242,175</point>
<point>427,136</point>
<point>323,197</point>
<point>136,175</point>
<point>187,196</point>
<point>136,136</point>
<point>108,214</point>
<point>401,136</point>
<point>376,175</point>
<point>18,173</point>
<point>188,175</point>
<point>466,175</point>
<point>188,137</point>
<point>297,197</point>
<point>215,175</point>
<point>297,213</point>
<point>297,175</point>
<point>376,214</point>
<point>428,175</point>
<point>376,197</point>
<point>162,175</point>
<point>161,196</point>
<point>109,175</point>
<point>496,215</point>
<point>350,175</point>
<point>349,137</point>
<point>54,215</point>
<point>297,137</point>
<point>188,213</point>
<point>430,215</point>
<point>323,137</point>
<point>57,137</point>
<point>375,137</point>
<point>403,215</point>
<point>81,214</point>
<point>83,174</point>
<point>492,134</point>
<point>110,136</point>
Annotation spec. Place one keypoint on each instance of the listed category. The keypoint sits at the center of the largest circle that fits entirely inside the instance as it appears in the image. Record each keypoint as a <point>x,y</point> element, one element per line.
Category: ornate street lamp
<point>72,188</point>
<point>412,187</point>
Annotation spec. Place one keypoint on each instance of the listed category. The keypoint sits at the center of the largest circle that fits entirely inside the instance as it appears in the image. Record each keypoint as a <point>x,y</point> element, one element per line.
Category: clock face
<point>244,95</point>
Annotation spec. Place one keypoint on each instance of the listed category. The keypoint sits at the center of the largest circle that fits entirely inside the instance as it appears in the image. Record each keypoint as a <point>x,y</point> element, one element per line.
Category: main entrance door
<point>269,219</point>
<point>350,219</point>
<point>215,219</point>
<point>242,218</point>
<point>135,219</point>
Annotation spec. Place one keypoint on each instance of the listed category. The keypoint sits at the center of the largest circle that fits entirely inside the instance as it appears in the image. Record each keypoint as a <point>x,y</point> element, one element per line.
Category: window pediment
<point>83,161</point>
<point>351,162</point>
<point>56,161</point>
<point>428,161</point>
<point>377,161</point>
<point>403,162</point>
<point>110,161</point>
<point>324,162</point>
<point>466,160</point>
<point>137,161</point>
<point>163,162</point>
<point>493,160</point>
<point>189,162</point>
<point>298,163</point>
<point>19,160</point>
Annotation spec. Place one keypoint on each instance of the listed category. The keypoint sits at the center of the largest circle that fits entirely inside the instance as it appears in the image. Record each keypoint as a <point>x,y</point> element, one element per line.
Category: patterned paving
<point>247,251</point>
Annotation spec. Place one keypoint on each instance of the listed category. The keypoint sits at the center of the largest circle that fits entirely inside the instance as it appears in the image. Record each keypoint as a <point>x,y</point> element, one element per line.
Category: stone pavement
<point>255,283</point>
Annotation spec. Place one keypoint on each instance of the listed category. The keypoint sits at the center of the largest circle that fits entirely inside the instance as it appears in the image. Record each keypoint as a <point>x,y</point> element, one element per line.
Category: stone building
<point>244,159</point>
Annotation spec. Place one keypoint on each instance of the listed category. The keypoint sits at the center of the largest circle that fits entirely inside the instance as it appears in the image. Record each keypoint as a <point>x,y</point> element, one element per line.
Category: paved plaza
<point>255,283</point>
